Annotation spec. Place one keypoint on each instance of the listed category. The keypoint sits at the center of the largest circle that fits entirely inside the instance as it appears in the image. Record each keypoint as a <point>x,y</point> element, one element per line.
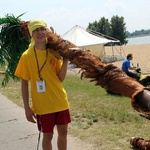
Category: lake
<point>139,40</point>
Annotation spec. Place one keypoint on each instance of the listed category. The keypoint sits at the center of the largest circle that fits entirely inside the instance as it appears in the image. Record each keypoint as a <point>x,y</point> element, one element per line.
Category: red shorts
<point>47,122</point>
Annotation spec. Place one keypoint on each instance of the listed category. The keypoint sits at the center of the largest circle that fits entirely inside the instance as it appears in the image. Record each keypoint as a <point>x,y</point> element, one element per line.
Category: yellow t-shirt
<point>55,98</point>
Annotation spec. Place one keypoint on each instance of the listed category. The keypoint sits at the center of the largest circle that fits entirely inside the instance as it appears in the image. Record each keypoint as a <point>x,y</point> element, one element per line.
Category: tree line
<point>114,29</point>
<point>141,32</point>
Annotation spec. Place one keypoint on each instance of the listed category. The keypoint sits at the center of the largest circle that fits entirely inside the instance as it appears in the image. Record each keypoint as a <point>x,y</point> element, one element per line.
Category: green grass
<point>106,121</point>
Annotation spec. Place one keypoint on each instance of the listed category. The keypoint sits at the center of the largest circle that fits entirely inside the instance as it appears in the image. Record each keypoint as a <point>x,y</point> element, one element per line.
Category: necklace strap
<point>37,62</point>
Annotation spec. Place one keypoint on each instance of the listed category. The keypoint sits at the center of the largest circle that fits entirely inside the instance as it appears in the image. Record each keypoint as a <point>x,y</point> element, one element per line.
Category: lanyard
<point>39,69</point>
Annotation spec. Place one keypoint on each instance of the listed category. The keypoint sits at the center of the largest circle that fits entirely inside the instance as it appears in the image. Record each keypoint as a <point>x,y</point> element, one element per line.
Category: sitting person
<point>126,67</point>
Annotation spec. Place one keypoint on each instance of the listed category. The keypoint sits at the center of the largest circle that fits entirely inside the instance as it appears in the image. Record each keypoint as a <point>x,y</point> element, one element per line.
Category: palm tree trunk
<point>108,76</point>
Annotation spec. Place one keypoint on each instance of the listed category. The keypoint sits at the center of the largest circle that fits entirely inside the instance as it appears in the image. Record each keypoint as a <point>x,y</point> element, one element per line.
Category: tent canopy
<point>80,37</point>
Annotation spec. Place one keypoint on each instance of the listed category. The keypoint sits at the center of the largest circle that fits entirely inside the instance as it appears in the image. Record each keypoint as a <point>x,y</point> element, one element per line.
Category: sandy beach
<point>141,55</point>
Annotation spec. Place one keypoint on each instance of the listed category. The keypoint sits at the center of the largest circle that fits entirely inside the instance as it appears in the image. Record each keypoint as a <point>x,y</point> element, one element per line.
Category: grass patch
<point>106,121</point>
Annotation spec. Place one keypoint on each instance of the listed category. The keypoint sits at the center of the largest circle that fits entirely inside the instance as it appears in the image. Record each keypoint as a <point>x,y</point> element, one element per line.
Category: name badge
<point>40,86</point>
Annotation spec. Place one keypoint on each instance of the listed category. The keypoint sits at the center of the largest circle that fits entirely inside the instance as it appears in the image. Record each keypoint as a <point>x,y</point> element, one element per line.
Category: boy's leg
<point>63,118</point>
<point>62,137</point>
<point>47,141</point>
<point>46,125</point>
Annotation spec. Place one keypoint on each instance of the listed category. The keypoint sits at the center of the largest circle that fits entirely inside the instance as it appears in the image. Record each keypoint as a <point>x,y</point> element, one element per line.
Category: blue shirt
<point>125,65</point>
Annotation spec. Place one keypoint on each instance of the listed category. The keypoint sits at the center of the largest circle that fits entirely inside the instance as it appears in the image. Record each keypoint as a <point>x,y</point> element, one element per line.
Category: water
<point>139,40</point>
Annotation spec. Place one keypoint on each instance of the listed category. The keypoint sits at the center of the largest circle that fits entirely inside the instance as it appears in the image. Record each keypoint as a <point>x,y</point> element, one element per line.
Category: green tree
<point>118,29</point>
<point>12,44</point>
<point>102,26</point>
<point>93,26</point>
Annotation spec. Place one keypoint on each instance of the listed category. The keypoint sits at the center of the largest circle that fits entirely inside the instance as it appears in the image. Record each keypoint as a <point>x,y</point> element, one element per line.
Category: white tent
<point>81,38</point>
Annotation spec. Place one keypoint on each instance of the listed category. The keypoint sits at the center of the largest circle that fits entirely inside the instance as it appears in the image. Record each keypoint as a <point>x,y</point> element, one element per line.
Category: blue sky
<point>64,14</point>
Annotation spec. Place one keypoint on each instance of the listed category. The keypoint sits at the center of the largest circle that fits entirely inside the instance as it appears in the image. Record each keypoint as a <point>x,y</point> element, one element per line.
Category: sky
<point>62,15</point>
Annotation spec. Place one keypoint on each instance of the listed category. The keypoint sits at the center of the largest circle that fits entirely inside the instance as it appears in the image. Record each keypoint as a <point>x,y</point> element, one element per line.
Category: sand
<point>141,55</point>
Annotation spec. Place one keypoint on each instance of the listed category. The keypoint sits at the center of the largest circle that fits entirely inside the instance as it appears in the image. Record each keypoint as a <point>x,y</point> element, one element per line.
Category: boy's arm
<point>25,95</point>
<point>62,73</point>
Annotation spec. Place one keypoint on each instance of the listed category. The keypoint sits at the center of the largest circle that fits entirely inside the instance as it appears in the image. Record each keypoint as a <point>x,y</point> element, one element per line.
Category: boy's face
<point>39,35</point>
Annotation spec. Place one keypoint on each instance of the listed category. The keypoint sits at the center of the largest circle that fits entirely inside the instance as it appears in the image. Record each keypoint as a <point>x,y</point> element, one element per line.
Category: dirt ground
<point>141,55</point>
